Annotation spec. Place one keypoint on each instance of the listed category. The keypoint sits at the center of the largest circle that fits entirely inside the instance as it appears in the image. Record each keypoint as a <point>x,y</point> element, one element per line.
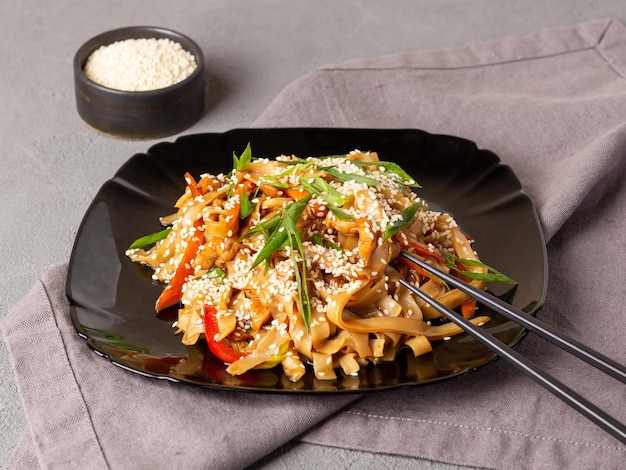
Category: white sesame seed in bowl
<point>140,64</point>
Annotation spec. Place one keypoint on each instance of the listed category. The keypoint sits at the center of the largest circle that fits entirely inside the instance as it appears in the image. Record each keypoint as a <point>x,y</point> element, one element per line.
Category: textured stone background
<point>51,164</point>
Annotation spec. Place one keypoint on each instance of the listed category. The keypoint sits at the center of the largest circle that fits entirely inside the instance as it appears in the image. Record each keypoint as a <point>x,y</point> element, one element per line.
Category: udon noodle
<point>295,261</point>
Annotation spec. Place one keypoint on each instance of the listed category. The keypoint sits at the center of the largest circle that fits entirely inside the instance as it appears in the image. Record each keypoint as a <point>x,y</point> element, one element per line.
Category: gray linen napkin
<point>553,106</point>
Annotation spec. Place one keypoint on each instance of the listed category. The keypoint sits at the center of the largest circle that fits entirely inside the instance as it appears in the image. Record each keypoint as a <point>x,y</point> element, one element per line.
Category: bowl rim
<point>130,32</point>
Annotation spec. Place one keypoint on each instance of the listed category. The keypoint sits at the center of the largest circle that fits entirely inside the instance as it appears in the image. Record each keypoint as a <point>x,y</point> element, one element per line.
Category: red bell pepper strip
<point>174,289</point>
<point>220,349</point>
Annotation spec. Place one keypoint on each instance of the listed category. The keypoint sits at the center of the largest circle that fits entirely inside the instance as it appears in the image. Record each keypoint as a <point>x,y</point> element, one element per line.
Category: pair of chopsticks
<point>573,399</point>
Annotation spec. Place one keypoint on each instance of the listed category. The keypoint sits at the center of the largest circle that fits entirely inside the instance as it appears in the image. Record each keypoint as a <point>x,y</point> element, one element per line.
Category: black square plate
<point>112,299</point>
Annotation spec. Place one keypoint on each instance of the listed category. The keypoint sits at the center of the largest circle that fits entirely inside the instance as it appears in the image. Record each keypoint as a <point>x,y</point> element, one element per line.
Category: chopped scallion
<point>215,272</point>
<point>150,239</point>
<point>343,177</point>
<point>394,168</point>
<point>243,160</point>
<point>246,207</point>
<point>281,231</point>
<point>490,276</point>
<point>407,218</point>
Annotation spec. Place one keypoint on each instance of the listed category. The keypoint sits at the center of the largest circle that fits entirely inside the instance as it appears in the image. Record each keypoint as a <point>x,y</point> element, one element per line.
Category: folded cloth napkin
<point>552,105</point>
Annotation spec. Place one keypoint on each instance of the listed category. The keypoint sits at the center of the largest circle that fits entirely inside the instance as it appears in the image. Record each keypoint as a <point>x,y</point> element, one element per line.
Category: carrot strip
<point>174,289</point>
<point>420,248</point>
<point>296,194</point>
<point>193,186</point>
<point>418,269</point>
<point>468,308</point>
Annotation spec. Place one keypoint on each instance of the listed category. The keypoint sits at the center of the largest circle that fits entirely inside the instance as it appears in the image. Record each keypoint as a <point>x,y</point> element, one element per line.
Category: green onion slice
<point>149,239</point>
<point>408,217</point>
<point>490,276</point>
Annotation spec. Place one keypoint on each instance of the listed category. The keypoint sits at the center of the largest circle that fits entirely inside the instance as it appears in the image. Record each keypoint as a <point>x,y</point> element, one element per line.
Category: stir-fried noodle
<point>294,261</point>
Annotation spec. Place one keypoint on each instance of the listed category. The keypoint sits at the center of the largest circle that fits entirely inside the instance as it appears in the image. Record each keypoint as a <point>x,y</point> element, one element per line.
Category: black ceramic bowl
<point>139,114</point>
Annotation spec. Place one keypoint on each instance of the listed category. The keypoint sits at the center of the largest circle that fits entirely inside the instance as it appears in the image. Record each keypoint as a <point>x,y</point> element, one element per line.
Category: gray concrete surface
<point>51,164</point>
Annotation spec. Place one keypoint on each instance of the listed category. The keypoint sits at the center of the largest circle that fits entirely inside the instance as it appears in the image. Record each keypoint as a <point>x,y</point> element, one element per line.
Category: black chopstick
<point>529,322</point>
<point>562,391</point>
